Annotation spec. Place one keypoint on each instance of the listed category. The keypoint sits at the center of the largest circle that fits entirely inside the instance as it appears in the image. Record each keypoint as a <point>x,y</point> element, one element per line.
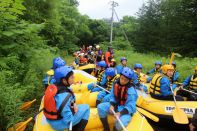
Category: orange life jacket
<point>50,110</point>
<point>120,92</point>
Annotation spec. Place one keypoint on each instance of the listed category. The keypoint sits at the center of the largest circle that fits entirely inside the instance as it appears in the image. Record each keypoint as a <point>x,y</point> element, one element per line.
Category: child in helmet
<point>112,63</point>
<point>49,78</point>
<point>119,68</point>
<point>104,96</point>
<point>175,76</point>
<point>101,77</point>
<point>160,87</point>
<point>99,54</point>
<point>191,83</point>
<point>156,69</point>
<point>124,105</point>
<point>67,110</point>
<point>137,81</point>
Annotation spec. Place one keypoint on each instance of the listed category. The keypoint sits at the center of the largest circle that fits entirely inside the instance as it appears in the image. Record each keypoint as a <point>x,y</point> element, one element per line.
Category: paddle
<point>26,105</point>
<point>179,115</point>
<point>172,58</point>
<point>70,126</point>
<point>103,88</point>
<point>144,112</point>
<point>148,114</point>
<point>188,91</point>
<point>123,127</point>
<point>22,125</point>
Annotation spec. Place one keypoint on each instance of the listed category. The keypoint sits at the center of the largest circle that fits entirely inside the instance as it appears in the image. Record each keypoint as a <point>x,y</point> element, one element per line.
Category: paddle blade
<point>26,105</point>
<point>140,100</point>
<point>148,114</point>
<point>20,126</point>
<point>179,116</point>
<point>50,72</point>
<point>172,58</point>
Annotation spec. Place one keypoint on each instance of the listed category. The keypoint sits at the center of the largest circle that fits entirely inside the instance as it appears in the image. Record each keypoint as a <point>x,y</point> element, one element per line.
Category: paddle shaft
<point>189,91</point>
<point>173,95</point>
<point>70,126</point>
<point>103,88</point>
<point>123,127</point>
<point>38,113</point>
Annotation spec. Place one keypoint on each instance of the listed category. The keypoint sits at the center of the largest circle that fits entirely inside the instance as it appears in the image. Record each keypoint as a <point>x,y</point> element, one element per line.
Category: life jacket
<point>155,84</point>
<point>50,110</point>
<point>157,71</point>
<point>111,81</point>
<point>120,92</point>
<point>99,75</point>
<point>193,82</point>
<point>83,60</point>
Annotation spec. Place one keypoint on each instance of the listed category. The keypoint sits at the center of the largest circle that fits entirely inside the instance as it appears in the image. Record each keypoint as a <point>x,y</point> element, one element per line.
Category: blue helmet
<point>158,63</point>
<point>127,72</point>
<point>62,72</point>
<point>110,72</point>
<point>102,64</point>
<point>123,58</point>
<point>58,62</point>
<point>174,64</point>
<point>138,66</point>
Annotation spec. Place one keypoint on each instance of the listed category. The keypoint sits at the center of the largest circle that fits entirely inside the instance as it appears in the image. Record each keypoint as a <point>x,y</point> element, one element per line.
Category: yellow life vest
<point>111,81</point>
<point>155,84</point>
<point>157,71</point>
<point>100,75</point>
<point>193,83</point>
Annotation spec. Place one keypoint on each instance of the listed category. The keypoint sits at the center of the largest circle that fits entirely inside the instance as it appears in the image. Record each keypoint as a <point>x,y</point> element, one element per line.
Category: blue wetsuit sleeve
<point>186,81</point>
<point>165,86</point>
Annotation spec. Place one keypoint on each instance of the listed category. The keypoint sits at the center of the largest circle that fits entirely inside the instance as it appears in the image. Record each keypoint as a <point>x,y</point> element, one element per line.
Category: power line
<point>113,4</point>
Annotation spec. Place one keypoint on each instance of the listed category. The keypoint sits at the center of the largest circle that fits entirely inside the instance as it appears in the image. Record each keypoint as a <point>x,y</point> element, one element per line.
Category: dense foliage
<point>33,32</point>
<point>164,26</point>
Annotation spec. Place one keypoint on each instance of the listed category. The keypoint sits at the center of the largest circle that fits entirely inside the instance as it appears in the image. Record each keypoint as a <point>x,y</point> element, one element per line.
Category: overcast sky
<point>98,9</point>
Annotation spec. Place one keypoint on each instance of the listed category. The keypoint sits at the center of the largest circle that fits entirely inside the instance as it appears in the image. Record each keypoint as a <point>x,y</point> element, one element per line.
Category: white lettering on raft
<point>189,111</point>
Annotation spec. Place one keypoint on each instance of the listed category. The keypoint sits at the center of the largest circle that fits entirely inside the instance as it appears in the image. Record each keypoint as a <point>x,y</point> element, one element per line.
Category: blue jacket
<point>130,104</point>
<point>135,80</point>
<point>165,86</point>
<point>153,71</point>
<point>119,69</point>
<point>175,76</point>
<point>187,81</point>
<point>66,112</point>
<point>137,83</point>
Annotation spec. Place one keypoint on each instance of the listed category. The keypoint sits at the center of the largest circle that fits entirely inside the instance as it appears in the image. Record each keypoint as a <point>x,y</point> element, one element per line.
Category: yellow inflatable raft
<point>88,66</point>
<point>163,108</point>
<point>138,122</point>
<point>83,77</point>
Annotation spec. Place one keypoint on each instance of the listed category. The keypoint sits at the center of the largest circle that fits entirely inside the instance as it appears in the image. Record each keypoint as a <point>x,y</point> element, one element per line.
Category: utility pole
<point>113,4</point>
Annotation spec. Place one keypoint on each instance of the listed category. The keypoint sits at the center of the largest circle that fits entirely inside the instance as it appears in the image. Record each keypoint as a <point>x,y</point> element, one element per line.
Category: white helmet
<point>90,46</point>
<point>92,53</point>
<point>97,46</point>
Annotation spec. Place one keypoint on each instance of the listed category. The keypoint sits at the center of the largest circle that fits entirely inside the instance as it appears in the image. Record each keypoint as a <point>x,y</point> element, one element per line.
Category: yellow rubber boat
<point>83,77</point>
<point>88,66</point>
<point>138,122</point>
<point>164,108</point>
<point>80,87</point>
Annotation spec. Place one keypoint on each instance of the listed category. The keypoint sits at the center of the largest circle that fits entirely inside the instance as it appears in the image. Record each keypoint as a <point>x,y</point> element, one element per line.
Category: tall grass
<point>185,66</point>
